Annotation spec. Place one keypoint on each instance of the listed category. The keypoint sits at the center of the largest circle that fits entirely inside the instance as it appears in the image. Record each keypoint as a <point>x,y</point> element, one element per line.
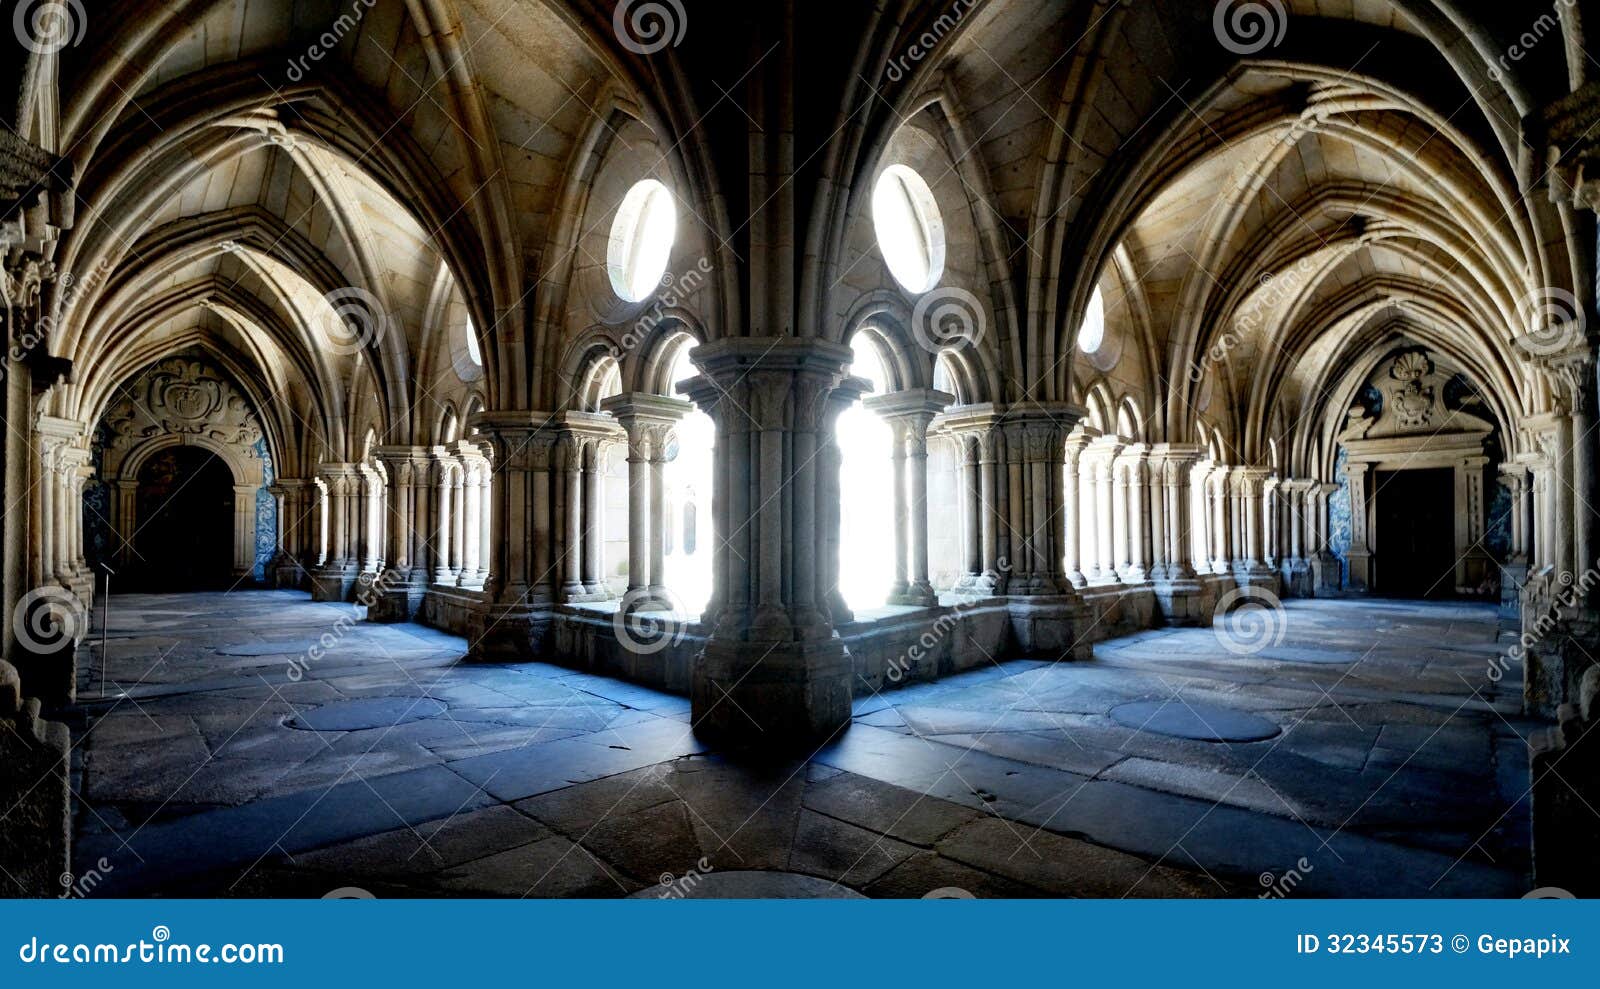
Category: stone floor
<point>224,761</point>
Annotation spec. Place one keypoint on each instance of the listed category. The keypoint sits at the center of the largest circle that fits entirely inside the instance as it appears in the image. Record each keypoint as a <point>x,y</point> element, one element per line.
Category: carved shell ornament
<point>1412,401</point>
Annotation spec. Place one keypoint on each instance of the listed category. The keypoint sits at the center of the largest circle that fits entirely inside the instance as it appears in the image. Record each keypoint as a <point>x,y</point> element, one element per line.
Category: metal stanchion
<point>105,629</point>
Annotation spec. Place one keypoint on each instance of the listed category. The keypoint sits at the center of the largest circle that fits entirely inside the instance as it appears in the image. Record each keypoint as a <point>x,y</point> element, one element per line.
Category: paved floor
<point>228,759</point>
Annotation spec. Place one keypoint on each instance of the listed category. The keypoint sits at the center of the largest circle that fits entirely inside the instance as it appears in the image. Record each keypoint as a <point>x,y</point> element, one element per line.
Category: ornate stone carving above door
<point>1412,390</point>
<point>181,396</point>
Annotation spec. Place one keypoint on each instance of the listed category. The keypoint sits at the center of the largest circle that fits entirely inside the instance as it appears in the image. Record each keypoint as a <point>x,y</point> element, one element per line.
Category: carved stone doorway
<point>186,520</point>
<point>1414,531</point>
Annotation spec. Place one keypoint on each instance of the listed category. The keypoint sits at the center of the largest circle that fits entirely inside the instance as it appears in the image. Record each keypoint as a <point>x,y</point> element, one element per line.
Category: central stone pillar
<point>774,673</point>
<point>648,421</point>
<point>514,617</point>
<point>909,414</point>
<point>1048,617</point>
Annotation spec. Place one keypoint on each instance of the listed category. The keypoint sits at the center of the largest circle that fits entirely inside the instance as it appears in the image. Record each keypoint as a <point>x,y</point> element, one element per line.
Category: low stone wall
<point>910,646</point>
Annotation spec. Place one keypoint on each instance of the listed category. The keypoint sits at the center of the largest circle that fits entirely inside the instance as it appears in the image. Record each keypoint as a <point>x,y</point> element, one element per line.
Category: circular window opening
<point>641,240</point>
<point>1093,331</point>
<point>910,232</point>
<point>473,353</point>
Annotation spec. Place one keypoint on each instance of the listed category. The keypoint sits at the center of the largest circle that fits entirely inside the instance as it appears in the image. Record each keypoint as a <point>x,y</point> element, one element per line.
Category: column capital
<point>1180,454</point>
<point>914,406</point>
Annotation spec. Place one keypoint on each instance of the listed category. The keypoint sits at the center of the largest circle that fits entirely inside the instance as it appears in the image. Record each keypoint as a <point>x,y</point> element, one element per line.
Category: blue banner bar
<point>747,943</point>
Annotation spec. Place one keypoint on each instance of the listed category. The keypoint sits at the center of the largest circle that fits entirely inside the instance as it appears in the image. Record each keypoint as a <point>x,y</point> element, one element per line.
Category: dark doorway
<point>185,522</point>
<point>1415,533</point>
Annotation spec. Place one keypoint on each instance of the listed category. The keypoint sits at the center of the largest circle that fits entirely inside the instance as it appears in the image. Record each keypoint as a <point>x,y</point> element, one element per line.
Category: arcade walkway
<point>1335,748</point>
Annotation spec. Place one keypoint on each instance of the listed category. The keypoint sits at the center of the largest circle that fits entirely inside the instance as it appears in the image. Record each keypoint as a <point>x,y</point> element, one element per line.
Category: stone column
<point>1088,518</point>
<point>569,454</point>
<point>901,510</point>
<point>909,414</point>
<point>1173,577</point>
<point>594,512</point>
<point>514,617</point>
<point>1134,565</point>
<point>1250,486</point>
<point>1221,531</point>
<point>648,421</point>
<point>829,462</point>
<point>444,511</point>
<point>485,515</point>
<point>399,589</point>
<point>1074,561</point>
<point>1359,557</point>
<point>333,579</point>
<point>774,673</point>
<point>124,521</point>
<point>458,517</point>
<point>1102,455</point>
<point>476,468</point>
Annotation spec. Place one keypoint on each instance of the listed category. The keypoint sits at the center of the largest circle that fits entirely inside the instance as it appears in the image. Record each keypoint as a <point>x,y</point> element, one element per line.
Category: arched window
<point>866,479</point>
<point>1092,331</point>
<point>642,236</point>
<point>474,354</point>
<point>688,481</point>
<point>909,228</point>
<point>448,426</point>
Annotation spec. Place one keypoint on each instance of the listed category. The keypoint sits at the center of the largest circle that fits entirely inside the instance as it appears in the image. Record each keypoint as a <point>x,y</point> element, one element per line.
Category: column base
<point>1053,626</point>
<point>1181,600</point>
<point>332,583</point>
<point>1258,576</point>
<point>1513,576</point>
<point>396,598</point>
<point>34,765</point>
<point>783,699</point>
<point>1325,575</point>
<point>289,575</point>
<point>922,595</point>
<point>508,631</point>
<point>1297,578</point>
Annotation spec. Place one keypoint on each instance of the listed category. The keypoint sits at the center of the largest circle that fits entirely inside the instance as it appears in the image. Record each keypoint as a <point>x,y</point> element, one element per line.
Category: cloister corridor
<point>1366,751</point>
